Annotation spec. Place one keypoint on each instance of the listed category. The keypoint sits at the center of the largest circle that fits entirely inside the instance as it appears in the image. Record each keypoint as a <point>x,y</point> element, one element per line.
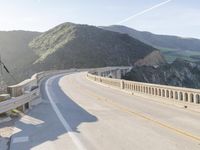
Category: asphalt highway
<point>79,114</point>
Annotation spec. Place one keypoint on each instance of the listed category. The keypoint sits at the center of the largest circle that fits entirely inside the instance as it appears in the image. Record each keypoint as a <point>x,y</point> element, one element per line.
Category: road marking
<point>135,113</point>
<point>20,139</point>
<point>67,127</point>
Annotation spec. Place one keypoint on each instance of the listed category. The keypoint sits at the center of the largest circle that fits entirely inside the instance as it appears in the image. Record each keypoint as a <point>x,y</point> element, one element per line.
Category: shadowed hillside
<point>16,53</point>
<point>72,45</point>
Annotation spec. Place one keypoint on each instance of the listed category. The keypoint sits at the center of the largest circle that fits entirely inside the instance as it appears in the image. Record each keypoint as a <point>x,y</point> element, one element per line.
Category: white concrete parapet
<point>25,92</point>
<point>187,97</point>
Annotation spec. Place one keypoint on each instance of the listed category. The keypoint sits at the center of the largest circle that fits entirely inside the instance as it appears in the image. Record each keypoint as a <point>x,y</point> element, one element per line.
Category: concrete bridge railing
<point>187,97</point>
<point>24,93</point>
<point>22,102</point>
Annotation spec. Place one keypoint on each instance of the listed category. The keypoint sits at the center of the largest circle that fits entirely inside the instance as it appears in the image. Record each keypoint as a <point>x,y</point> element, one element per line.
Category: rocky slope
<point>180,73</point>
<point>153,59</point>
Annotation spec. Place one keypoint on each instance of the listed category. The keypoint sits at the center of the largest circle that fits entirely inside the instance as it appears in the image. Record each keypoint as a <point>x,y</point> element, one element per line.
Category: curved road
<point>78,114</point>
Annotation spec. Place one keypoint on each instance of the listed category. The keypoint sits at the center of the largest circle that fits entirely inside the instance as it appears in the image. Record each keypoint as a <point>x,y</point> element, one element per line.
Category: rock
<point>153,59</point>
<point>180,73</point>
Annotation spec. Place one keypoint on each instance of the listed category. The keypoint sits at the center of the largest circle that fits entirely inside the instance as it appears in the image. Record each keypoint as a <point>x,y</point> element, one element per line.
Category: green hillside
<point>171,47</point>
<point>72,45</point>
<point>16,53</point>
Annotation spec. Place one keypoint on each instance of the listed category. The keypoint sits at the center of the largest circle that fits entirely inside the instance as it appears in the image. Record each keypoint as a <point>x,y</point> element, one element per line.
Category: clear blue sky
<point>178,17</point>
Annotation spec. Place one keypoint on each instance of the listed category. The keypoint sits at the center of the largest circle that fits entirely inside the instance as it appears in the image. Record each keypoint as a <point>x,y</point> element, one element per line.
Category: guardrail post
<point>26,106</point>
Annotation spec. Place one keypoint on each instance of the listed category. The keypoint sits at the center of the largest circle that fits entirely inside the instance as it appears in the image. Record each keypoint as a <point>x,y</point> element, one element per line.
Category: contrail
<point>144,11</point>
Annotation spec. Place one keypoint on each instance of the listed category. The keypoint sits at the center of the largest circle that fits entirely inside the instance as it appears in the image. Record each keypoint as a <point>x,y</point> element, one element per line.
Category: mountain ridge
<point>156,40</point>
<point>87,46</point>
<point>70,45</point>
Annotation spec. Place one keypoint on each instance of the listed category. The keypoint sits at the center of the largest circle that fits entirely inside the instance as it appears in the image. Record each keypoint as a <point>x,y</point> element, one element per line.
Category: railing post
<point>195,98</point>
<point>190,99</point>
<point>122,84</point>
<point>183,94</point>
<point>174,95</point>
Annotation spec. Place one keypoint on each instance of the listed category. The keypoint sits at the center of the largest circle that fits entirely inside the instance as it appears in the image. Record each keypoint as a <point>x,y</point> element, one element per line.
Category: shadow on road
<point>73,113</point>
<point>41,124</point>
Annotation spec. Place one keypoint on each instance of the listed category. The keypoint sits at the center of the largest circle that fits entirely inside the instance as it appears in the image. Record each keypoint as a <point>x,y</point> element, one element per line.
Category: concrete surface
<point>6,129</point>
<point>78,114</point>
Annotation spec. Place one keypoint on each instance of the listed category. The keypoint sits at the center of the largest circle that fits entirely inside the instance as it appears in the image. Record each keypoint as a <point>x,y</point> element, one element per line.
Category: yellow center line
<point>135,113</point>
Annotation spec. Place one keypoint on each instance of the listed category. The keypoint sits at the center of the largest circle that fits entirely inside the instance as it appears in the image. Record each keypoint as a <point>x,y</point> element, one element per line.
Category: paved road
<point>78,114</point>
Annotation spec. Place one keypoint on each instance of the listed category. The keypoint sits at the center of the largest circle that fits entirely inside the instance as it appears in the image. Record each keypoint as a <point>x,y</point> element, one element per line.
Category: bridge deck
<point>79,114</point>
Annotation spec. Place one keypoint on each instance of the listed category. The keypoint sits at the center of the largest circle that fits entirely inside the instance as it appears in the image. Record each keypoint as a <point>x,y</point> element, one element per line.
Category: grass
<point>171,54</point>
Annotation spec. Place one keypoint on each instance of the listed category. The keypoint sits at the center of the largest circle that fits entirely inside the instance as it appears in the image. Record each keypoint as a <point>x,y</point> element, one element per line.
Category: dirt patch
<point>6,129</point>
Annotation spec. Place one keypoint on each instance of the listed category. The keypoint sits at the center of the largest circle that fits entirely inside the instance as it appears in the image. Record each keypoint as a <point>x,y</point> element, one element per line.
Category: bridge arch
<point>159,92</point>
<point>176,95</point>
<point>163,93</point>
<point>197,99</point>
<point>156,91</point>
<point>153,92</point>
<point>167,93</point>
<point>171,94</point>
<point>180,96</point>
<point>186,97</point>
<point>143,88</point>
<point>191,98</point>
<point>149,90</point>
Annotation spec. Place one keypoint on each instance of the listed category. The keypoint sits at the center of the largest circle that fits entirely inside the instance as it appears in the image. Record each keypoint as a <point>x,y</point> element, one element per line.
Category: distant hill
<point>82,46</point>
<point>15,52</point>
<point>170,46</point>
<point>71,46</point>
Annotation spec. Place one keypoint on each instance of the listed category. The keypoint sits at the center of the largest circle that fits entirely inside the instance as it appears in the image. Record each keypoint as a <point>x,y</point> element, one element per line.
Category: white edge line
<point>67,127</point>
<point>20,139</point>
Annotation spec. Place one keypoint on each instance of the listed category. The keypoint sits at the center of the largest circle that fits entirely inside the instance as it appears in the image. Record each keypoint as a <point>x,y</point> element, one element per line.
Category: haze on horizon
<point>178,17</point>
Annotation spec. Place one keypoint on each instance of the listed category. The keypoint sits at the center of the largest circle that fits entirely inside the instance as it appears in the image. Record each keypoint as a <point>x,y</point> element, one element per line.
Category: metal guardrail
<point>16,102</point>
